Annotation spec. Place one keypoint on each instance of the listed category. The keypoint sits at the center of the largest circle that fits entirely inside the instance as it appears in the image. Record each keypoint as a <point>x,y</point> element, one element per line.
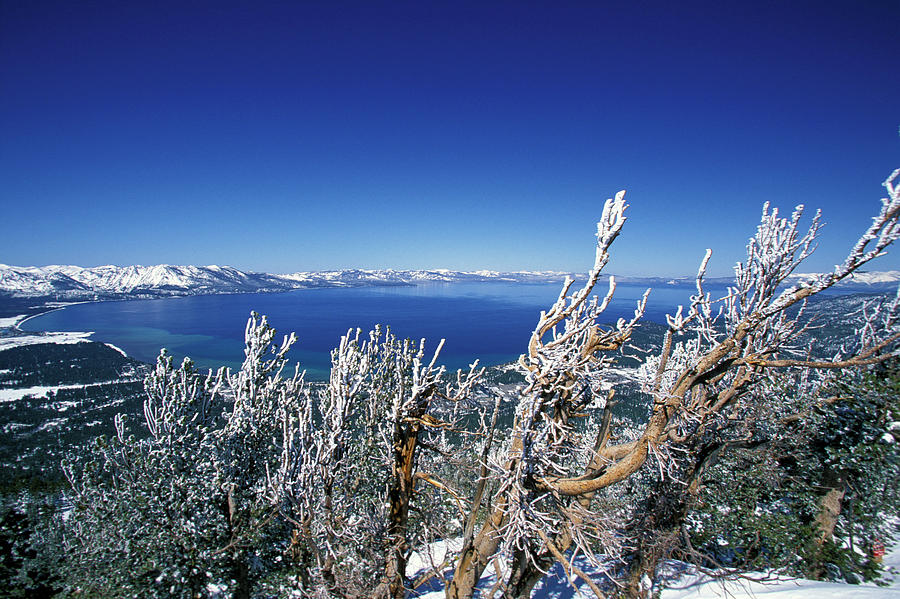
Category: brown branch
<point>429,421</point>
<point>805,413</point>
<point>438,483</point>
<point>469,533</point>
<point>808,364</point>
<point>868,357</point>
<point>570,566</point>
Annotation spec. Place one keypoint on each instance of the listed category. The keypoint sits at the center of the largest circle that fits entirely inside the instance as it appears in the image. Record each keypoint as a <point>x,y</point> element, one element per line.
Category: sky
<point>293,136</point>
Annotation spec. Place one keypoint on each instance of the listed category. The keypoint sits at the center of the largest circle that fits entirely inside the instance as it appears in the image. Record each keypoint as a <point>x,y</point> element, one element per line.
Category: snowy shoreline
<point>38,337</point>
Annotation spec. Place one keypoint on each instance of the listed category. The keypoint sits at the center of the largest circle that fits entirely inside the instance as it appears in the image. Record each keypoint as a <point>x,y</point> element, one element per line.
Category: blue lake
<point>488,321</point>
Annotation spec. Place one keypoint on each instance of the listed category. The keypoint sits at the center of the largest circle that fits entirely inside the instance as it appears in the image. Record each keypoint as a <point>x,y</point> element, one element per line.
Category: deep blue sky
<point>285,136</point>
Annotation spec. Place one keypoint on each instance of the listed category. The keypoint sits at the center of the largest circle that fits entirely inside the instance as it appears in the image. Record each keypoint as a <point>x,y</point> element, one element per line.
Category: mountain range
<point>118,282</point>
<point>107,282</point>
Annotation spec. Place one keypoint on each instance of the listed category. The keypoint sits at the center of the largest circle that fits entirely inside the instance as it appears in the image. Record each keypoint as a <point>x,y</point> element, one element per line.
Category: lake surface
<point>488,321</point>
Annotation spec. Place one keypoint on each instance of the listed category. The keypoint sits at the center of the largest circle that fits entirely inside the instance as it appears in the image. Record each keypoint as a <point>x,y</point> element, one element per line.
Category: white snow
<point>8,395</point>
<point>704,588</point>
<point>54,423</point>
<point>861,278</point>
<point>60,337</point>
<point>117,348</point>
<point>165,280</point>
<point>11,321</point>
<point>754,585</point>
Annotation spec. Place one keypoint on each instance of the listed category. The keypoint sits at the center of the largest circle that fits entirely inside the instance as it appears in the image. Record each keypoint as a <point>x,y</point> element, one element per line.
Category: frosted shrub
<point>147,515</point>
<point>355,461</point>
<point>181,512</point>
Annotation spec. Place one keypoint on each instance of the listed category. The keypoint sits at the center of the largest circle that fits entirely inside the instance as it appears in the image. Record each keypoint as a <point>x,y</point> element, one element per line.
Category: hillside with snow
<point>122,282</point>
<point>685,582</point>
<point>108,282</point>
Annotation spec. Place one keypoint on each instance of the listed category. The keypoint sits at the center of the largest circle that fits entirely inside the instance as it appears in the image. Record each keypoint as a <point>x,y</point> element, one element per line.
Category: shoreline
<point>17,335</point>
<point>52,337</point>
<point>115,347</point>
<point>18,325</point>
<point>24,338</point>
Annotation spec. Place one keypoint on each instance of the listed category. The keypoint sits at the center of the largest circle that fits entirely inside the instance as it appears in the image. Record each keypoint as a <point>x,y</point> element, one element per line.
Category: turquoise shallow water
<point>489,321</point>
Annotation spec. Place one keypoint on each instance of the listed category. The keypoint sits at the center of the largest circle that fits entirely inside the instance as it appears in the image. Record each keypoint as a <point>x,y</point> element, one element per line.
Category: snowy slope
<point>755,585</point>
<point>31,280</point>
<point>412,277</point>
<point>104,282</point>
<point>133,279</point>
<point>782,589</point>
<point>75,282</point>
<point>160,280</point>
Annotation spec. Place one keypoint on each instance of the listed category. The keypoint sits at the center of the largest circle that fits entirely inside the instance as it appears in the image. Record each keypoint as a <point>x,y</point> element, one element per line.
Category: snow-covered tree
<point>354,463</point>
<point>816,490</point>
<point>181,512</point>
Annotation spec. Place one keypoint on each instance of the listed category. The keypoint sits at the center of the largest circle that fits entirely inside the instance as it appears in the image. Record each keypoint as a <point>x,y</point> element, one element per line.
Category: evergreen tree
<point>814,497</point>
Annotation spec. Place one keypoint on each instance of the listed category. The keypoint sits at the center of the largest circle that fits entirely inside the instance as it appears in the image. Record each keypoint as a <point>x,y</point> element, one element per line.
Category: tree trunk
<point>474,560</point>
<point>830,505</point>
<point>393,584</point>
<point>521,572</point>
<point>663,517</point>
<point>237,559</point>
<point>241,575</point>
<point>525,578</point>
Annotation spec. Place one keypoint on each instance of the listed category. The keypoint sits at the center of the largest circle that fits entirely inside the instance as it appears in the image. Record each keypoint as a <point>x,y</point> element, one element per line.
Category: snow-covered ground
<point>703,588</point>
<point>689,587</point>
<point>34,339</point>
<point>19,338</point>
<point>11,321</point>
<point>7,395</point>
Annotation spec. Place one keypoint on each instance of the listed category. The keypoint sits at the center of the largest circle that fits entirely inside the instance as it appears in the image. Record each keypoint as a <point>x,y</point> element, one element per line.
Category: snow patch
<point>8,395</point>
<point>54,423</point>
<point>787,588</point>
<point>118,349</point>
<point>60,337</point>
<point>11,321</point>
<point>691,586</point>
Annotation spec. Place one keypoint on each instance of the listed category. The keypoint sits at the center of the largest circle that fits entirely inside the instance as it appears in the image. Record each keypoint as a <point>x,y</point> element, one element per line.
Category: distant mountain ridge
<point>109,282</point>
<point>120,282</point>
<point>865,280</point>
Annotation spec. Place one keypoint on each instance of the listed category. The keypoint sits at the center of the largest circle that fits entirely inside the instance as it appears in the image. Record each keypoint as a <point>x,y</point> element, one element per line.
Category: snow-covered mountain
<point>338,278</point>
<point>106,282</point>
<point>75,282</point>
<point>888,277</point>
<point>109,282</point>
